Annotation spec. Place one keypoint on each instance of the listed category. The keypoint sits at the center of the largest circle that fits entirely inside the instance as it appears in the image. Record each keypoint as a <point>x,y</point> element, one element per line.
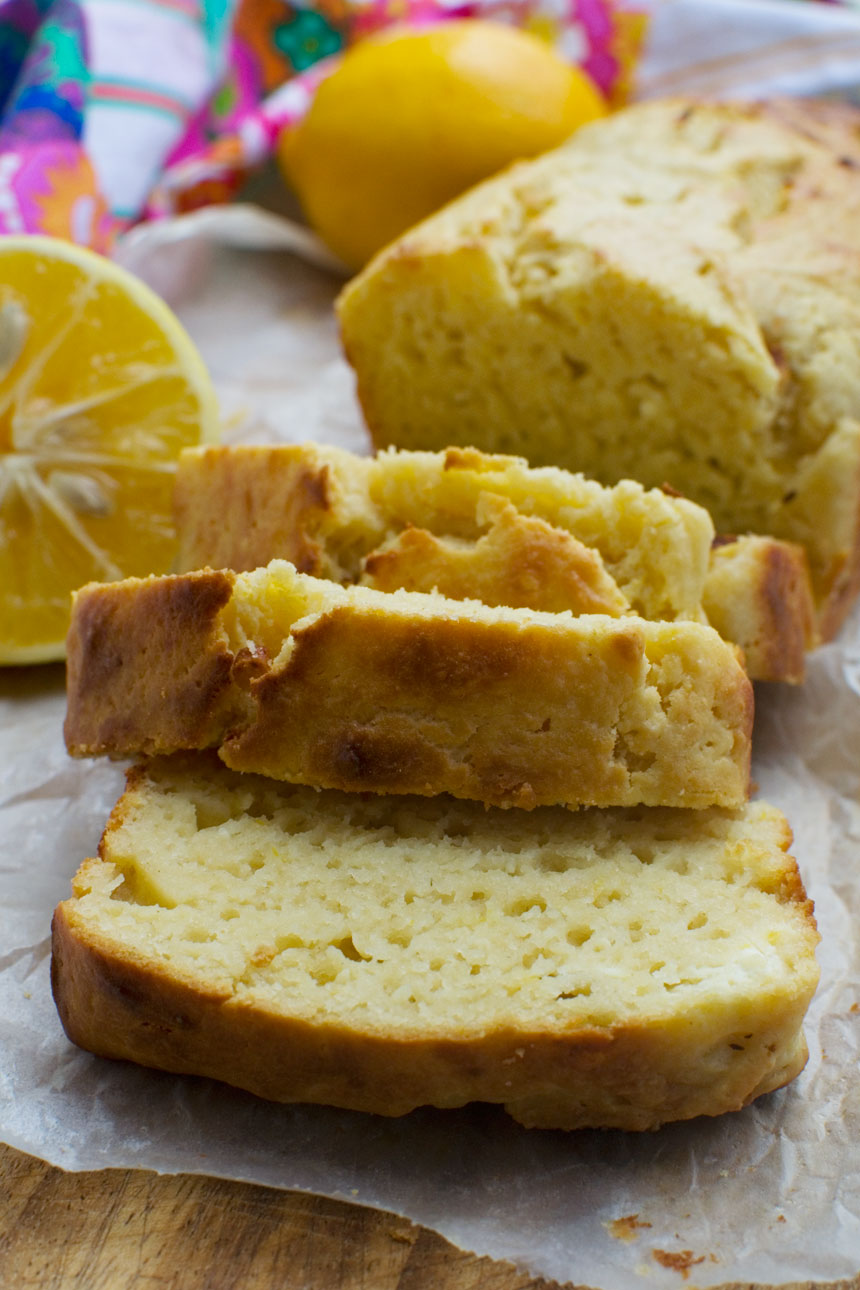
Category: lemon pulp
<point>100,390</point>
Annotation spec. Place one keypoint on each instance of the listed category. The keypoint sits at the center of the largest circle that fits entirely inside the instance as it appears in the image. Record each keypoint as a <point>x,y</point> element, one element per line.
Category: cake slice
<point>758,594</point>
<point>490,528</point>
<point>617,968</point>
<point>672,296</point>
<point>347,687</point>
<point>327,510</point>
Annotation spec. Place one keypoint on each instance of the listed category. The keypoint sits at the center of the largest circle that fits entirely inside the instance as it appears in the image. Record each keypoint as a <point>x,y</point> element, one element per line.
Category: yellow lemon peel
<point>411,119</point>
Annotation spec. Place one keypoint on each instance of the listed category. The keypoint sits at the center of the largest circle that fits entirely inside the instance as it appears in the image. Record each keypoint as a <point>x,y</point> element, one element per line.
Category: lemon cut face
<point>100,390</point>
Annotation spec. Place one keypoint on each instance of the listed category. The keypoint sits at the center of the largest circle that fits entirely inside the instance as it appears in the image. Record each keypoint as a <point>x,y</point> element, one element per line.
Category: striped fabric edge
<point>129,94</point>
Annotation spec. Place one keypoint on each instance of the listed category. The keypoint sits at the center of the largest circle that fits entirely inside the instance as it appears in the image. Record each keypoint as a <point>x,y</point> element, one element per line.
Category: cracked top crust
<point>672,296</point>
<point>402,692</point>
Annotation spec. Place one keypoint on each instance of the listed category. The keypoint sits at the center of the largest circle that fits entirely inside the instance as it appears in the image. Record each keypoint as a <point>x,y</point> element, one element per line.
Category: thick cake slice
<point>672,296</point>
<point>347,687</point>
<point>490,528</point>
<point>604,968</point>
<point>327,510</point>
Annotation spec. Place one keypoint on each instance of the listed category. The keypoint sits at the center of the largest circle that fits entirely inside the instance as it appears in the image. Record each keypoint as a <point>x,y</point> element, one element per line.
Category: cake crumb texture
<point>616,968</point>
<point>487,527</point>
<point>303,680</point>
<point>671,296</point>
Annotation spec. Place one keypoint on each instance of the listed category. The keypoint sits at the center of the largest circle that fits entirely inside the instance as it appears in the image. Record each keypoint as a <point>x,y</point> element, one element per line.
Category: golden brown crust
<point>395,694</point>
<point>148,669</point>
<point>613,1078</point>
<point>454,496</point>
<point>116,999</point>
<point>844,585</point>
<point>520,561</point>
<point>239,509</point>
<point>342,712</point>
<point>513,716</point>
<point>773,197</point>
<point>759,594</point>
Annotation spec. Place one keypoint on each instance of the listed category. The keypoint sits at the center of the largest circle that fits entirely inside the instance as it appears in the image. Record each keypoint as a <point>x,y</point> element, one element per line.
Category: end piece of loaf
<point>758,592</point>
<point>604,968</point>
<point>352,688</point>
<point>490,528</point>
<point>671,296</point>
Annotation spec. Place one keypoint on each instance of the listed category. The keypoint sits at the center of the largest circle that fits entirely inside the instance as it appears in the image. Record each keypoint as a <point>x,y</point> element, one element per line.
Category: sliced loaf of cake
<point>489,528</point>
<point>616,968</point>
<point>348,687</point>
<point>672,296</point>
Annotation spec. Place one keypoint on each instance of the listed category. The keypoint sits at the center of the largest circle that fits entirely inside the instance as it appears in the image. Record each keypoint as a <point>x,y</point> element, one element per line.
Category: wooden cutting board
<point>132,1230</point>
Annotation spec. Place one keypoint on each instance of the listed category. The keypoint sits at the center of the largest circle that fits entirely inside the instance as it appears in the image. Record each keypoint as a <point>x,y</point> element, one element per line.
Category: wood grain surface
<point>118,1229</point>
<point>133,1230</point>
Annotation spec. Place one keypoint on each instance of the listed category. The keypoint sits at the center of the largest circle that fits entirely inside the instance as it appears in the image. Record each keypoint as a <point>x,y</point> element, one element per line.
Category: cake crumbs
<point>680,1260</point>
<point>626,1228</point>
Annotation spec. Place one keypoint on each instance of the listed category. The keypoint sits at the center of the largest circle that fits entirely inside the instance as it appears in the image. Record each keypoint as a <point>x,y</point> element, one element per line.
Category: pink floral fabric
<point>113,111</point>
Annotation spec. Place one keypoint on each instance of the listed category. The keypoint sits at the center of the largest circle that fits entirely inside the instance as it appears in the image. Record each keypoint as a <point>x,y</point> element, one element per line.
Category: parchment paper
<point>771,1194</point>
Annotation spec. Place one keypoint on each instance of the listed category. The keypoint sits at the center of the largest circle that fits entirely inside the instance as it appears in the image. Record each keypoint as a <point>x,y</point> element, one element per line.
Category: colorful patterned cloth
<point>117,110</point>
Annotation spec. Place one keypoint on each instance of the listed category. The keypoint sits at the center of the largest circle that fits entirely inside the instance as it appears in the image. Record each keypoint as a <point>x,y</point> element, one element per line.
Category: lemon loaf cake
<point>672,296</point>
<point>613,968</point>
<point>757,593</point>
<point>486,527</point>
<point>352,688</point>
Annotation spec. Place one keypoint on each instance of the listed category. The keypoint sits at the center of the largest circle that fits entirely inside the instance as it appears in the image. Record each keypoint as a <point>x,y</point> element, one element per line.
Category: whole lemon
<point>411,119</point>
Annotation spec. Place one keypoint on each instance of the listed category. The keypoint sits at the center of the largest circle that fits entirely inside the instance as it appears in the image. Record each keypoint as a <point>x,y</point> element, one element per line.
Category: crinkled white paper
<point>770,1194</point>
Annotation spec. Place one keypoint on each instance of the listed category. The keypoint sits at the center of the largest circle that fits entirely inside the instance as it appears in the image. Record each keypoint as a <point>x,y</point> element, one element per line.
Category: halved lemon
<point>100,390</point>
